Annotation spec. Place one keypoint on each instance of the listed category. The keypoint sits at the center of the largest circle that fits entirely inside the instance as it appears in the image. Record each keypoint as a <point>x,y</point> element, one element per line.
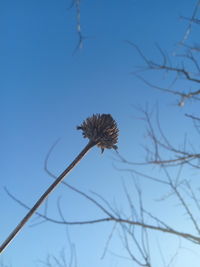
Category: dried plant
<point>101,130</point>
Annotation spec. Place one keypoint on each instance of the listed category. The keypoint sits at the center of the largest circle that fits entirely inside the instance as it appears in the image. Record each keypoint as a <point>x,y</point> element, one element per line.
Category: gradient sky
<point>47,90</point>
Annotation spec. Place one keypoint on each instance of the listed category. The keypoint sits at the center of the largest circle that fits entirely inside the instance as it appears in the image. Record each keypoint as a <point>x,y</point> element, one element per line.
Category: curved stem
<point>45,195</point>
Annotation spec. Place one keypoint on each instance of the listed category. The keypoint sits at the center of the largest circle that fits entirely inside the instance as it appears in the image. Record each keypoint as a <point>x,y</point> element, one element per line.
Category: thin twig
<point>45,195</point>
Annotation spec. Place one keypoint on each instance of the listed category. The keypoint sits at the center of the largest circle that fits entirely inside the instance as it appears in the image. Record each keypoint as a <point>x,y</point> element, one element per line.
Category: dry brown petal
<point>101,129</point>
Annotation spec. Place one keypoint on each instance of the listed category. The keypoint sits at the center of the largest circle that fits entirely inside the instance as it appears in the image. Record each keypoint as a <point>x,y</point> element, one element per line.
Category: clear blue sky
<point>47,90</point>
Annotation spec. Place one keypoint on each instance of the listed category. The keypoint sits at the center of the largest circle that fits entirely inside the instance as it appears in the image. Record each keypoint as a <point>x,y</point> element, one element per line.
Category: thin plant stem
<point>46,194</point>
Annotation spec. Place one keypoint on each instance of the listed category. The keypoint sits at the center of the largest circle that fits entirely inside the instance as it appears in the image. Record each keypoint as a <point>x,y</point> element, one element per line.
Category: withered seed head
<point>101,129</point>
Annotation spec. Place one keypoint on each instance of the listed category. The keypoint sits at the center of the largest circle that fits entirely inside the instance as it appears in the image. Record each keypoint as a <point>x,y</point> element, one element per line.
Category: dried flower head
<point>101,129</point>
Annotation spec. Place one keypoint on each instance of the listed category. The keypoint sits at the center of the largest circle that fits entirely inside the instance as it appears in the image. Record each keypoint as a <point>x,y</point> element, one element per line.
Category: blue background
<point>47,89</point>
